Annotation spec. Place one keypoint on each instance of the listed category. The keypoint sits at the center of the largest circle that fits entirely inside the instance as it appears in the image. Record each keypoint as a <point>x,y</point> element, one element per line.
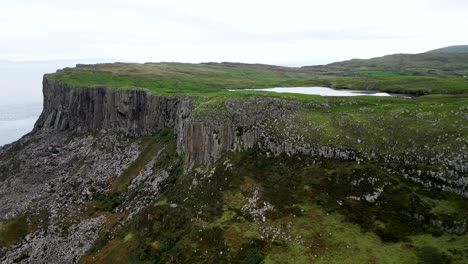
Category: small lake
<point>323,91</point>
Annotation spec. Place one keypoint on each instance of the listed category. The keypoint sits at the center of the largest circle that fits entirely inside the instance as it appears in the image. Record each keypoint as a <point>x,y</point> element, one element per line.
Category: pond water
<point>323,91</point>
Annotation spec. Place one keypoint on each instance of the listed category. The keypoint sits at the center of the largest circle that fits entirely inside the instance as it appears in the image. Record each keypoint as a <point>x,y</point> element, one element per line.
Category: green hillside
<point>411,74</point>
<point>451,49</point>
<point>425,64</point>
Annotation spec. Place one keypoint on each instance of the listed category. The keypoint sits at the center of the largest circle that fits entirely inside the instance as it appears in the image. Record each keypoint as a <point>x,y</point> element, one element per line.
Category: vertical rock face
<point>205,132</point>
<point>202,136</point>
<point>205,142</point>
<point>137,112</point>
<point>237,126</point>
<point>243,124</point>
<point>131,111</point>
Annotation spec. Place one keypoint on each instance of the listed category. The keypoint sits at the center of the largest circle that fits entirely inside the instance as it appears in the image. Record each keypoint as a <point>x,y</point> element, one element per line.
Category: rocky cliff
<point>204,132</point>
<point>239,126</point>
<point>133,112</point>
<point>98,157</point>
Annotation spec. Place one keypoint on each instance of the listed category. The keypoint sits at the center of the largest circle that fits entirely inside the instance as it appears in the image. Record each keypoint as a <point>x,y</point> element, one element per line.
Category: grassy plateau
<point>412,74</point>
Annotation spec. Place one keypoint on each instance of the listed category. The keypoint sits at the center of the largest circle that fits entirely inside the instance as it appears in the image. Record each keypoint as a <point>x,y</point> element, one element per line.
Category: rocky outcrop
<point>48,179</point>
<point>243,124</point>
<point>205,132</point>
<point>206,142</point>
<point>134,112</point>
<point>138,112</point>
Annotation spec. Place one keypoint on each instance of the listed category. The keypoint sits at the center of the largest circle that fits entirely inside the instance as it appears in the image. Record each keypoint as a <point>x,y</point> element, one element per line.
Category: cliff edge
<point>135,112</point>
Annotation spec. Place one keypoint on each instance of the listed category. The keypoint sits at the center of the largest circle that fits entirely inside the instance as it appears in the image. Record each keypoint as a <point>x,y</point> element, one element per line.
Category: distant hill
<point>424,64</point>
<point>429,72</point>
<point>451,60</point>
<point>451,49</point>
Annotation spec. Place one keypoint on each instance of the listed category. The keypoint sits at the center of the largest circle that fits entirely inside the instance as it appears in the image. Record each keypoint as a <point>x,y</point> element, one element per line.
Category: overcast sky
<point>289,32</point>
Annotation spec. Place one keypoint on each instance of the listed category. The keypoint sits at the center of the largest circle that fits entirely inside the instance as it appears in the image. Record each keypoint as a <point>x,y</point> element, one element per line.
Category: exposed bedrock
<point>138,112</point>
<point>242,125</point>
<point>131,111</point>
<point>207,130</point>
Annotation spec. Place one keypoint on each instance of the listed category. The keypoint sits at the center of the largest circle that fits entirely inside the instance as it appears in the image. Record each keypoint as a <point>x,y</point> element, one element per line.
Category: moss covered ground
<point>250,208</point>
<point>16,228</point>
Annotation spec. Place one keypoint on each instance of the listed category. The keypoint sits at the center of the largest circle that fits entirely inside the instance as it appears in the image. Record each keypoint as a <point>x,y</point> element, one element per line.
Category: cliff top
<point>410,74</point>
<point>183,78</point>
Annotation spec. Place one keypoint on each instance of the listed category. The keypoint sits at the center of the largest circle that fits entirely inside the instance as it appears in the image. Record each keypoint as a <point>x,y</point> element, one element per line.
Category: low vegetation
<point>411,74</point>
<point>16,228</point>
<point>250,208</point>
<point>151,146</point>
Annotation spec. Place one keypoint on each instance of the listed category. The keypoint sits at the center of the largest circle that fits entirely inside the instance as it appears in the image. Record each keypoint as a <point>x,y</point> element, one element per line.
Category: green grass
<point>388,82</point>
<point>340,242</point>
<point>410,64</point>
<point>178,78</point>
<point>111,253</point>
<point>128,237</point>
<point>449,245</point>
<point>215,79</point>
<point>13,231</point>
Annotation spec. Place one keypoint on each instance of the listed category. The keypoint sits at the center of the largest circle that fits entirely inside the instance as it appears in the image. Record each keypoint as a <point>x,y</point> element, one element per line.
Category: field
<point>420,77</point>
